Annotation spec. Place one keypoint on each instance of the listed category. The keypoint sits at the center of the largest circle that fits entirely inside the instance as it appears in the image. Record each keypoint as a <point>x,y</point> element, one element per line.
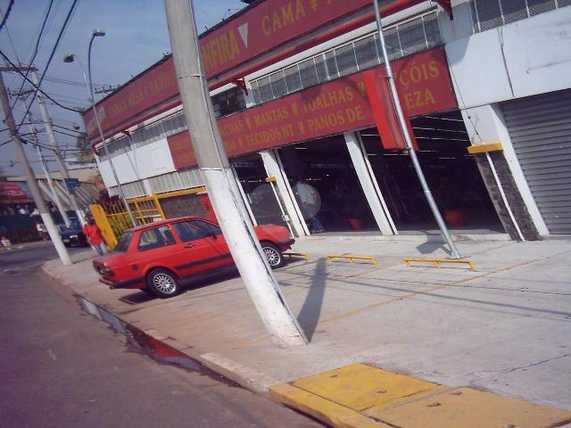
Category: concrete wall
<point>145,161</point>
<point>527,57</point>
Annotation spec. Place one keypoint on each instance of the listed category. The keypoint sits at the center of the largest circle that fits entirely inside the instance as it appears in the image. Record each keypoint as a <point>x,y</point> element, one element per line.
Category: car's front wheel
<point>162,283</point>
<point>273,255</point>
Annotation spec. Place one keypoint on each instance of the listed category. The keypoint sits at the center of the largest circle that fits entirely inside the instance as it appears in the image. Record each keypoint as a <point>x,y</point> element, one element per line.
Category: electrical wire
<point>7,14</point>
<point>36,48</point>
<point>36,87</point>
<point>50,58</point>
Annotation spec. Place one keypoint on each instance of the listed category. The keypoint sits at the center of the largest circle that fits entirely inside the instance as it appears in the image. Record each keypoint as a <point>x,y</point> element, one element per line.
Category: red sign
<point>180,147</point>
<point>385,113</point>
<point>136,100</point>
<point>423,83</point>
<point>262,34</point>
<point>12,192</point>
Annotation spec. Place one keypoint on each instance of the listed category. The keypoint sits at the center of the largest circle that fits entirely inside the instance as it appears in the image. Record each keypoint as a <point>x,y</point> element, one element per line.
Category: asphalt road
<point>61,368</point>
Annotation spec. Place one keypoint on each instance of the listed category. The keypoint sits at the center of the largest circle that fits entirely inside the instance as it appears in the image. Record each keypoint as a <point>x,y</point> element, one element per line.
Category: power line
<point>50,58</point>
<point>36,47</point>
<point>36,87</point>
<point>7,14</point>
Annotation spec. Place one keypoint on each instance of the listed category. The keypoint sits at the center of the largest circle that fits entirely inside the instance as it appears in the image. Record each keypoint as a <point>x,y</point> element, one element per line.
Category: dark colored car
<point>160,256</point>
<point>73,235</point>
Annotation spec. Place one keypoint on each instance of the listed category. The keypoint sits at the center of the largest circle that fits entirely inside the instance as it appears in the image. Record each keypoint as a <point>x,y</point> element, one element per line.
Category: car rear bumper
<point>131,283</point>
<point>286,244</point>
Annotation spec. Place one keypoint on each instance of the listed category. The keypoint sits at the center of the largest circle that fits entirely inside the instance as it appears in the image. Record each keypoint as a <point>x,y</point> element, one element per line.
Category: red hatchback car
<point>161,256</point>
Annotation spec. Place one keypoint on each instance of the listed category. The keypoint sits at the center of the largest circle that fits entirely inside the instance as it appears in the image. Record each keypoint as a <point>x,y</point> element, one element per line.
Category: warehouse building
<point>485,85</point>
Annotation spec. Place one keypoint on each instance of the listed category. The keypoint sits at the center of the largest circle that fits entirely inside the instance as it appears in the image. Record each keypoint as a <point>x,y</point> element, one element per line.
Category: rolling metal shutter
<point>540,129</point>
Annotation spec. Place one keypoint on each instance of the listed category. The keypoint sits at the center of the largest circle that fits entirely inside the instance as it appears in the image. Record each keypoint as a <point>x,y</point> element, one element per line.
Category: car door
<point>156,247</point>
<point>200,253</point>
<point>217,239</point>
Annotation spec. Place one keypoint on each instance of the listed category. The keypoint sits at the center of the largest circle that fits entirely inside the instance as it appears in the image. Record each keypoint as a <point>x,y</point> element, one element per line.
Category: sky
<point>136,37</point>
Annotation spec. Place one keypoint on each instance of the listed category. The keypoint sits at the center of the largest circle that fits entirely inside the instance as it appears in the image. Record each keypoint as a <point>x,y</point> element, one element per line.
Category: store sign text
<point>331,108</point>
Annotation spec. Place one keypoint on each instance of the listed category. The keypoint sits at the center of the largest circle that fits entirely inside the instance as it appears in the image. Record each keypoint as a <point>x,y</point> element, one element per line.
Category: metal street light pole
<point>260,283</point>
<point>408,140</point>
<point>69,58</point>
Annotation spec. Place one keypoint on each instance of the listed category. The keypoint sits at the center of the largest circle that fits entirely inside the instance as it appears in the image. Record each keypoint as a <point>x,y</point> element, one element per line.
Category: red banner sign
<point>385,113</point>
<point>180,147</point>
<point>11,192</point>
<point>262,34</point>
<point>338,106</point>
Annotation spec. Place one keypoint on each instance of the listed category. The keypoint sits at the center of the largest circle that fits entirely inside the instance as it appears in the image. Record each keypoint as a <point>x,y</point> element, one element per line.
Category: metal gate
<point>540,129</point>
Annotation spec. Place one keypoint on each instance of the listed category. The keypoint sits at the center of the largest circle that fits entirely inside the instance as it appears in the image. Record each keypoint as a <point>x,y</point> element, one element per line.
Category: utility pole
<point>30,177</point>
<point>53,191</point>
<point>408,140</point>
<point>213,163</point>
<point>47,121</point>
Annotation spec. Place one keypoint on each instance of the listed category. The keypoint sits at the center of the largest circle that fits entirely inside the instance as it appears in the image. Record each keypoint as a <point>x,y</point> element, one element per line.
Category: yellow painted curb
<point>360,386</point>
<point>469,408</point>
<point>362,396</point>
<point>322,409</point>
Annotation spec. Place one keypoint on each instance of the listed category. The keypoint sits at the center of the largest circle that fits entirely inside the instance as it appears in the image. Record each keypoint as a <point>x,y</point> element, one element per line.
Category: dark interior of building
<point>326,186</point>
<point>450,170</point>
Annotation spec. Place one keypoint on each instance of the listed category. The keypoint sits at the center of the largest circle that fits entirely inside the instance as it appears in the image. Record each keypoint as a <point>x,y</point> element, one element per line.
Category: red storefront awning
<point>260,35</point>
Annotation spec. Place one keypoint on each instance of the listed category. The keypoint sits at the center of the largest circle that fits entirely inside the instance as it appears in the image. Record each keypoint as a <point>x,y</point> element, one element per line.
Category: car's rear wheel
<point>273,255</point>
<point>162,283</point>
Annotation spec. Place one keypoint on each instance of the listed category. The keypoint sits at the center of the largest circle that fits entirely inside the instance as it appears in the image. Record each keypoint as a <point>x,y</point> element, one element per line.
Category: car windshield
<point>124,242</point>
<point>74,225</point>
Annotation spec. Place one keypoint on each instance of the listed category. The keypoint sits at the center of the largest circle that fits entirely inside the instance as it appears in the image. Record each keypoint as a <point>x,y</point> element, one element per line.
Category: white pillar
<point>369,184</point>
<point>274,168</point>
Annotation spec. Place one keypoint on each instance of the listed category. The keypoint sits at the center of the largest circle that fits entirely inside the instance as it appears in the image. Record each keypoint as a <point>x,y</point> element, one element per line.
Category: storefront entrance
<point>451,172</point>
<point>259,191</point>
<point>326,187</point>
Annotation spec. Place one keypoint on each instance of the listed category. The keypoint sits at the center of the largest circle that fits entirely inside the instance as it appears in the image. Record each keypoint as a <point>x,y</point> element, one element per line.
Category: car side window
<point>156,237</point>
<point>191,230</point>
<point>208,228</point>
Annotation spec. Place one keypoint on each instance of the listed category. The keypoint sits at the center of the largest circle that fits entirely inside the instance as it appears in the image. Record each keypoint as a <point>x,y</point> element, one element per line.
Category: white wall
<point>527,57</point>
<point>145,161</point>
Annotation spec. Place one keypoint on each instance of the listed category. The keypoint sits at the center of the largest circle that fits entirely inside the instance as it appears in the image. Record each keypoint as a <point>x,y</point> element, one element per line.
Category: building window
<point>308,73</point>
<point>278,82</point>
<point>228,102</point>
<point>490,14</point>
<point>405,38</point>
<point>292,78</point>
<point>346,60</point>
<point>366,52</point>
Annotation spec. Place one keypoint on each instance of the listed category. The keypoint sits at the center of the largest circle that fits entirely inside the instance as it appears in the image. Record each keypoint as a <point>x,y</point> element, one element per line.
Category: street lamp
<point>69,58</point>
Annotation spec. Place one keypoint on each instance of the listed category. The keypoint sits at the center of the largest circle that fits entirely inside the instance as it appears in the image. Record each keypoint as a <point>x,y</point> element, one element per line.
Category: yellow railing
<point>113,218</point>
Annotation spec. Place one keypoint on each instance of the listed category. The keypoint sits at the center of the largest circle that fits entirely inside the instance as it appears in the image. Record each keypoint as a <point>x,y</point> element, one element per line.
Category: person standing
<point>95,237</point>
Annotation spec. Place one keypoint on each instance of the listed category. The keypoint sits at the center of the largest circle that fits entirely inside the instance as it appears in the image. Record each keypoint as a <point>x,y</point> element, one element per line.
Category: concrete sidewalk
<point>505,327</point>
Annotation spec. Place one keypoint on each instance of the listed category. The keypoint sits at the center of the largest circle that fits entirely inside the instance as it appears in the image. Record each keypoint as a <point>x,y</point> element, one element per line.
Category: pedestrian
<point>94,237</point>
<point>42,231</point>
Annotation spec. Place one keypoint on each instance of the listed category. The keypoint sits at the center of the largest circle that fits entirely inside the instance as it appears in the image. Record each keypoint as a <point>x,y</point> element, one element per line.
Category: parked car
<point>73,235</point>
<point>162,256</point>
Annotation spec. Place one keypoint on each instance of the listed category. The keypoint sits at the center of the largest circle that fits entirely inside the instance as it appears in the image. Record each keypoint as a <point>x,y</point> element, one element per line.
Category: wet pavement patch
<point>143,343</point>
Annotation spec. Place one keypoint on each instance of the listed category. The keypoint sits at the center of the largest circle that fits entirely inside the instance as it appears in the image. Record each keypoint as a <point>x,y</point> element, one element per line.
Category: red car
<point>161,256</point>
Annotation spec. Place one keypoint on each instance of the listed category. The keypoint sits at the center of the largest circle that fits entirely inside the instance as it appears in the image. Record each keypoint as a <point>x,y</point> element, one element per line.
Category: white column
<point>275,168</point>
<point>369,184</point>
<point>245,199</point>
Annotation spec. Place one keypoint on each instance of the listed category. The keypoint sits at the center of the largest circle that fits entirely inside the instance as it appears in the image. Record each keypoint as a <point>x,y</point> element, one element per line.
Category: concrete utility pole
<point>31,178</point>
<point>47,121</point>
<point>213,163</point>
<point>53,190</point>
<point>408,140</point>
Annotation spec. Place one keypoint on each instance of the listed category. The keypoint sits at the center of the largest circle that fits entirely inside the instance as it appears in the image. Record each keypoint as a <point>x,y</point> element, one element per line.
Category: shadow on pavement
<point>311,310</point>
